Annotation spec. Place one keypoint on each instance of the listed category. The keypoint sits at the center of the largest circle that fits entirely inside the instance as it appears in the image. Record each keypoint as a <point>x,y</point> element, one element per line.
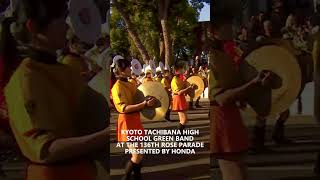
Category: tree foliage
<point>182,19</point>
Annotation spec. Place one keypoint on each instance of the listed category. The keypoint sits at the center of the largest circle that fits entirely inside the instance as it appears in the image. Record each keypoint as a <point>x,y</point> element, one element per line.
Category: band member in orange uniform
<point>158,75</point>
<point>43,98</point>
<point>148,76</point>
<point>229,136</point>
<point>8,64</point>
<point>123,93</point>
<point>179,89</point>
<point>9,61</point>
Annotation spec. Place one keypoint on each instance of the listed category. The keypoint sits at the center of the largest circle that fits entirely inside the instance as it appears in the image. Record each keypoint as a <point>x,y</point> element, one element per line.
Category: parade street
<point>169,166</point>
<point>292,162</point>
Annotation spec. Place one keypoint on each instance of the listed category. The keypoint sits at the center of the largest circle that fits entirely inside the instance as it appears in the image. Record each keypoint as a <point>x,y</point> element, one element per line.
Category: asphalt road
<point>292,162</point>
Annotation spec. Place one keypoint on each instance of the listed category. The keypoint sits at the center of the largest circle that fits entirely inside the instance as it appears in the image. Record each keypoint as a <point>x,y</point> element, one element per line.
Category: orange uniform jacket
<point>123,93</point>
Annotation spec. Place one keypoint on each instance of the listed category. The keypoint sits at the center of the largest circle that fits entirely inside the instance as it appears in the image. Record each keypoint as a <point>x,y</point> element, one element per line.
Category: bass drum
<point>285,83</point>
<point>154,89</point>
<point>304,60</point>
<point>199,86</point>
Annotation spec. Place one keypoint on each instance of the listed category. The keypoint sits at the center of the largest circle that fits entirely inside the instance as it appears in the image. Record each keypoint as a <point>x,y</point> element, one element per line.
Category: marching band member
<point>123,93</point>
<point>179,89</point>
<point>166,82</point>
<point>113,78</point>
<point>43,97</point>
<point>95,53</point>
<point>9,61</point>
<point>8,64</point>
<point>229,136</point>
<point>148,75</point>
<point>73,55</point>
<point>101,44</point>
<point>158,75</point>
<point>259,131</point>
<point>195,72</point>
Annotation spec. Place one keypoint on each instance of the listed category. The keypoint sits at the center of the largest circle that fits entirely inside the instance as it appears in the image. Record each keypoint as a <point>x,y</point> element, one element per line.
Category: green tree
<point>118,34</point>
<point>163,32</point>
<point>131,28</point>
<point>183,24</point>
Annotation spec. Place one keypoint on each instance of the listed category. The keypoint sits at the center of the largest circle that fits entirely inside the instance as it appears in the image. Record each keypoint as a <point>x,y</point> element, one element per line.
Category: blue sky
<point>205,13</point>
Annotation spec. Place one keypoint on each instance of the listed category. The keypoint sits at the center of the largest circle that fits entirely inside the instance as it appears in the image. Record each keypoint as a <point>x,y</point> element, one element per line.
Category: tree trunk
<point>162,51</point>
<point>163,10</point>
<point>132,32</point>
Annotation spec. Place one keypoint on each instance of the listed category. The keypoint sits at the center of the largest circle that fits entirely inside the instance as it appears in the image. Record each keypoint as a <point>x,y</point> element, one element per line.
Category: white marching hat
<point>148,69</point>
<point>158,69</point>
<point>161,66</point>
<point>85,20</point>
<point>115,59</point>
<point>136,67</point>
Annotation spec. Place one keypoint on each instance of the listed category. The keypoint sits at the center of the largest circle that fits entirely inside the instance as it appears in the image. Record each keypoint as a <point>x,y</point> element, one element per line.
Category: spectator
<point>242,40</point>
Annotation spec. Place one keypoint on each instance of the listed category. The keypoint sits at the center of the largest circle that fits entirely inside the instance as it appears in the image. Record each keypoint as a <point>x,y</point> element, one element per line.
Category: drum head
<point>156,90</point>
<point>286,79</point>
<point>136,67</point>
<point>85,20</point>
<point>199,86</point>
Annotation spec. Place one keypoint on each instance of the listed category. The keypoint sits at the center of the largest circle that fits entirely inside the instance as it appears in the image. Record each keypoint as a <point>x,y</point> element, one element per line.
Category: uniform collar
<point>41,56</point>
<point>123,79</point>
